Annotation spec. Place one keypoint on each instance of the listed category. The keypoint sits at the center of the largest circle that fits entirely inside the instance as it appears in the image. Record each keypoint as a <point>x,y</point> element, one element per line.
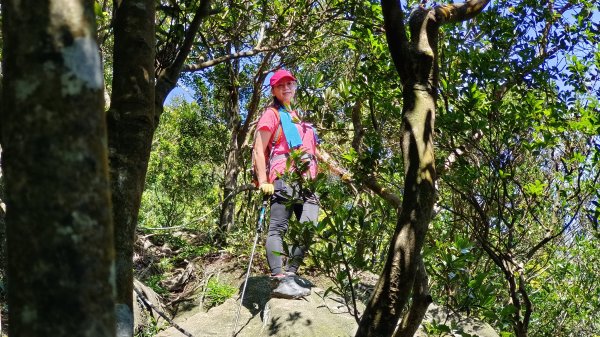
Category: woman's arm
<point>261,142</point>
<point>332,165</point>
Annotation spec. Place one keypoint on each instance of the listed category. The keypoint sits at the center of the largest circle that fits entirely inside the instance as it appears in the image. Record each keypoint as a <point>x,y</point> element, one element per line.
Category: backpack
<point>275,139</point>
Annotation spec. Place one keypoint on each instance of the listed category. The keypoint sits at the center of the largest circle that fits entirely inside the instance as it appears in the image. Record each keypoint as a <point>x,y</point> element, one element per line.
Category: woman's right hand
<point>267,188</point>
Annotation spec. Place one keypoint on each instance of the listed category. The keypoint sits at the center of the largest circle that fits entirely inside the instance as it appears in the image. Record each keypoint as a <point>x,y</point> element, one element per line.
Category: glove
<point>267,188</point>
<point>346,177</point>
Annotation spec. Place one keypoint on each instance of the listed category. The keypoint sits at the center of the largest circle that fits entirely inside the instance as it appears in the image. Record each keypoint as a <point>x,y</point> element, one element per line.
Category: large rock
<point>458,325</point>
<point>316,315</point>
<point>261,315</point>
<point>439,321</point>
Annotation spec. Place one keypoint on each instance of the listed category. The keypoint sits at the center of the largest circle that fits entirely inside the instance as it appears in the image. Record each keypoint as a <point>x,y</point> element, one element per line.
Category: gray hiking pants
<point>284,201</point>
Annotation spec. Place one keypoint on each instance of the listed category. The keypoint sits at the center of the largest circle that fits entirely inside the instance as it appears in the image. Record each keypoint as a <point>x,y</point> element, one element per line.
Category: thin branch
<point>224,58</point>
<point>370,181</point>
<point>259,78</point>
<point>147,303</point>
<point>550,237</point>
<point>167,78</point>
<point>460,151</point>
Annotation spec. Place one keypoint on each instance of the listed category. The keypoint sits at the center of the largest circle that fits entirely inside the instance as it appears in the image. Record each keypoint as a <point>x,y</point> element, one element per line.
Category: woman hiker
<point>280,129</point>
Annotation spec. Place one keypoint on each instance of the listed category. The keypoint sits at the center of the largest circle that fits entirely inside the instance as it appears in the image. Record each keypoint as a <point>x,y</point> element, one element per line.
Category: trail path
<point>317,315</point>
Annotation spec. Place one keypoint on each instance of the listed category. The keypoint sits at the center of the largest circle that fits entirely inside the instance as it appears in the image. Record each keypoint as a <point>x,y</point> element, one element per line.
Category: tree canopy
<point>471,131</point>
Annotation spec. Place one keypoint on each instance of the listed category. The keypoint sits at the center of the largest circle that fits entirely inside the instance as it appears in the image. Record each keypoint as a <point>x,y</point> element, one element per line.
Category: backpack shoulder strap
<point>277,135</point>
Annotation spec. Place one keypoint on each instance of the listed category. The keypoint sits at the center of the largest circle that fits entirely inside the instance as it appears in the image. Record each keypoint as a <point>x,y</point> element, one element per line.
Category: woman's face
<point>284,91</point>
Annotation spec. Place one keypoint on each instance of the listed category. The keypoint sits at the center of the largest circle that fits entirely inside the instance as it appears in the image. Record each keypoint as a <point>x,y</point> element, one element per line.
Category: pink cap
<point>281,75</point>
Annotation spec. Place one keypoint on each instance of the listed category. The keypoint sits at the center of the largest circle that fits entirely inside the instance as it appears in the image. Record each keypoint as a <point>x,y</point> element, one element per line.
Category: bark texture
<point>131,125</point>
<point>59,224</point>
<point>137,102</point>
<point>395,285</point>
<point>416,62</point>
<point>239,133</point>
<point>233,155</point>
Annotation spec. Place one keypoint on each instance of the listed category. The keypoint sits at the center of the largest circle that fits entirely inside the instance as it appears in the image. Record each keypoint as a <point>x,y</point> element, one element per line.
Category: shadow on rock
<point>258,293</point>
<point>276,324</point>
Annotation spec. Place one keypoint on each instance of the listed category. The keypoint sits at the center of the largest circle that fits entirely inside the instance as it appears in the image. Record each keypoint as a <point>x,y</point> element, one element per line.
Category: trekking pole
<point>259,228</point>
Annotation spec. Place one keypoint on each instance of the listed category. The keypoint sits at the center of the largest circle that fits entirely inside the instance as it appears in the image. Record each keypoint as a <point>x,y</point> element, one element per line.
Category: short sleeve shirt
<point>269,121</point>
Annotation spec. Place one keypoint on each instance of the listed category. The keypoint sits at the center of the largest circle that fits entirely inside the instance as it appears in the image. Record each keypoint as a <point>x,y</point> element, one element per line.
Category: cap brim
<point>284,78</point>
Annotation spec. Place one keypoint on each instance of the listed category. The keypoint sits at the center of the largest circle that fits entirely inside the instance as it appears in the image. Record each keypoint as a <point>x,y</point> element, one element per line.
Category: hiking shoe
<point>288,288</point>
<point>302,282</point>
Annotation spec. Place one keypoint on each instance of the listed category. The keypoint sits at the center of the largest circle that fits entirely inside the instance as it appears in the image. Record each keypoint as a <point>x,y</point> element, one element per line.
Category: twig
<point>204,287</point>
<point>160,313</point>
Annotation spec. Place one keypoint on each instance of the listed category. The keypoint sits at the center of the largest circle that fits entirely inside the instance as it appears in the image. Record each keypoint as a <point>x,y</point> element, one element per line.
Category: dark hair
<point>276,103</point>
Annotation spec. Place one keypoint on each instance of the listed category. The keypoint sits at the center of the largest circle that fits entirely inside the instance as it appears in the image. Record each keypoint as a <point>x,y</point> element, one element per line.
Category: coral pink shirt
<point>269,121</point>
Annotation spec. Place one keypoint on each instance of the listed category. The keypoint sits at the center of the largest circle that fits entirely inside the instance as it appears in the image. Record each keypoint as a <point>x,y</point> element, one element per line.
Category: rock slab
<point>318,315</point>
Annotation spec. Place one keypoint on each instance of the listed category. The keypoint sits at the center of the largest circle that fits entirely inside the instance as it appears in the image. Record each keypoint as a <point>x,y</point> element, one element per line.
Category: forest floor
<point>201,294</point>
<point>204,285</point>
<point>186,290</point>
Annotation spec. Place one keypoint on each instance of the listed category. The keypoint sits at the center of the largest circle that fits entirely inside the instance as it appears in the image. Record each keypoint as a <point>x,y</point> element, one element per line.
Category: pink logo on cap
<point>281,75</point>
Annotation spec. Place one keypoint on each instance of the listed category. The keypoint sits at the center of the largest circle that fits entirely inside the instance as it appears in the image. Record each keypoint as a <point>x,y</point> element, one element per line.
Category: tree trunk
<point>232,170</point>
<point>59,223</point>
<point>131,125</point>
<point>416,63</point>
<point>393,289</point>
<point>2,215</point>
<point>136,106</point>
<point>232,162</point>
<point>420,302</point>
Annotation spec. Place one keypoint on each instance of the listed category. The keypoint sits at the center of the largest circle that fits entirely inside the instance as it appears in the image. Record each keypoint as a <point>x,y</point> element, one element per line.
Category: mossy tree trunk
<point>2,216</point>
<point>131,125</point>
<point>416,62</point>
<point>138,94</point>
<point>58,216</point>
<point>239,136</point>
<point>233,154</point>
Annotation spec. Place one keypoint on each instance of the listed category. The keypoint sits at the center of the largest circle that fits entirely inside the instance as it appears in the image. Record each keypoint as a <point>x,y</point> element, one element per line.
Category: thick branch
<point>238,190</point>
<point>459,12</point>
<point>370,181</point>
<point>392,198</point>
<point>527,302</point>
<point>202,12</point>
<point>421,300</point>
<point>395,32</point>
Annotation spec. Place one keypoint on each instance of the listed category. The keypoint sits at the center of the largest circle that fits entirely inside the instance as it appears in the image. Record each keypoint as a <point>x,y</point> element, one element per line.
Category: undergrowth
<point>217,293</point>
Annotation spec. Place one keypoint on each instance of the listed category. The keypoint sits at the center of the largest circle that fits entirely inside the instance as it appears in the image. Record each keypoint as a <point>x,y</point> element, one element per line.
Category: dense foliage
<point>515,232</point>
<point>514,239</point>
